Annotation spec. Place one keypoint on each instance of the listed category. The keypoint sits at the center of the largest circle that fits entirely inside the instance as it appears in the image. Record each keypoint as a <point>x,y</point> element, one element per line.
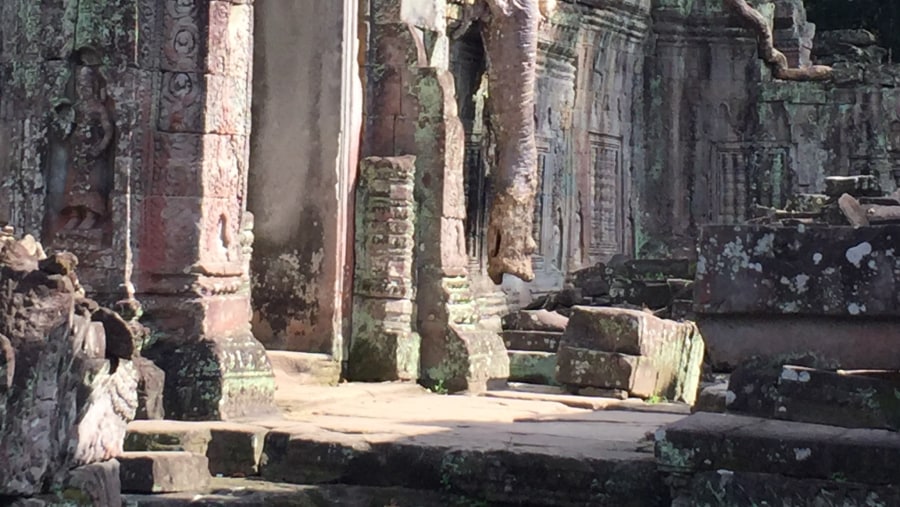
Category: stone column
<point>385,345</point>
<point>124,137</point>
<point>191,273</point>
<point>411,109</point>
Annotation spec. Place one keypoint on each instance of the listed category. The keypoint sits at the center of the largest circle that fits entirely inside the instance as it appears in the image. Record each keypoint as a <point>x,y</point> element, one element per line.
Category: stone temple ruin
<point>246,245</point>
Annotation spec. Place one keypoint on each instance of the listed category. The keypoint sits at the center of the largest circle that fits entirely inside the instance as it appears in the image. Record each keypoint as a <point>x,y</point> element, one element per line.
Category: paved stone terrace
<point>515,447</point>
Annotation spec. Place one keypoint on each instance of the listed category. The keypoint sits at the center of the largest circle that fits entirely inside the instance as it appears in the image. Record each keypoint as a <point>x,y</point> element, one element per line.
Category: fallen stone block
<point>579,367</point>
<point>532,367</point>
<point>614,348</point>
<point>706,442</point>
<point>163,472</point>
<point>538,341</point>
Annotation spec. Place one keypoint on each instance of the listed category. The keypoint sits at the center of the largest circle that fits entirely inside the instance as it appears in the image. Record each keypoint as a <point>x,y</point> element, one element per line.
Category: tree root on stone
<point>769,54</point>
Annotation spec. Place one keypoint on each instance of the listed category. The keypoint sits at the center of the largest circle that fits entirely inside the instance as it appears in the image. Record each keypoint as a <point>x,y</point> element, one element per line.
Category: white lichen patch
<point>856,254</point>
<point>730,397</point>
<point>802,454</point>
<point>856,308</point>
<point>764,244</point>
<point>817,258</point>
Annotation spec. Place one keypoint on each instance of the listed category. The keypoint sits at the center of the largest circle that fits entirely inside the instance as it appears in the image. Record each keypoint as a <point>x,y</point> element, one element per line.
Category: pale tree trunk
<point>510,33</point>
<point>769,53</point>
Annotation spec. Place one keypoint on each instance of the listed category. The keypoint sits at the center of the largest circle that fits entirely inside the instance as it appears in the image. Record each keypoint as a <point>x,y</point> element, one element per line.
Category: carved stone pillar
<point>411,109</point>
<point>125,125</point>
<point>191,273</point>
<point>385,345</point>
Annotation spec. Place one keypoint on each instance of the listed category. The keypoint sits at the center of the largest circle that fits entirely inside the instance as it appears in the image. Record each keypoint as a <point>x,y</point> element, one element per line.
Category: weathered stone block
<point>532,367</point>
<point>235,450</point>
<point>217,378</point>
<point>95,484</point>
<point>538,341</point>
<point>305,368</point>
<point>535,320</point>
<point>725,487</point>
<point>843,342</point>
<point>466,359</point>
<point>796,393</point>
<point>151,384</point>
<point>839,271</point>
<point>163,472</point>
<point>710,442</point>
<point>614,348</point>
<point>578,367</point>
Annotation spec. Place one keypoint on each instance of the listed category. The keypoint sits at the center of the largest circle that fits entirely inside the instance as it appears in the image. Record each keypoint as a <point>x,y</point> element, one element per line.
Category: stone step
<point>724,487</point>
<point>163,472</point>
<point>538,341</point>
<point>707,442</point>
<point>530,471</point>
<point>532,367</point>
<point>305,368</point>
<point>796,393</point>
<point>232,449</point>
<point>224,492</point>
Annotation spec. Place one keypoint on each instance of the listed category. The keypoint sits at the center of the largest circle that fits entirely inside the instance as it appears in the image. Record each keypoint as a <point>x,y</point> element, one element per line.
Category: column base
<point>217,378</point>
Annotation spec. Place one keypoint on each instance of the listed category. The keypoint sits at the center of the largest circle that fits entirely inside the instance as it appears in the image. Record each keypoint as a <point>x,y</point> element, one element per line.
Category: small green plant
<point>439,388</point>
<point>838,477</point>
<point>655,399</point>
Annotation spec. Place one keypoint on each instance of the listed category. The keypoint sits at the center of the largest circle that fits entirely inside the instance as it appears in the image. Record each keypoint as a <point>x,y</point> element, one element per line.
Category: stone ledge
<point>710,442</point>
<point>622,478</point>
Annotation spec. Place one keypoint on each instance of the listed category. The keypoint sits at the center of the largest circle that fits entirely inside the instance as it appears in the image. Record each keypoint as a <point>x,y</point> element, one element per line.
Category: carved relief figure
<point>87,141</point>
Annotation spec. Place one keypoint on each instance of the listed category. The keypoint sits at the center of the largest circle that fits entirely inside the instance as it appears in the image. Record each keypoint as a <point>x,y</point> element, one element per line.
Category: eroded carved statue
<point>84,201</point>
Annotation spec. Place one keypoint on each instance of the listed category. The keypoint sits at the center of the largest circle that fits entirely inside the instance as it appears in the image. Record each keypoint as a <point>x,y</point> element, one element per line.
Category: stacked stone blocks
<point>631,351</point>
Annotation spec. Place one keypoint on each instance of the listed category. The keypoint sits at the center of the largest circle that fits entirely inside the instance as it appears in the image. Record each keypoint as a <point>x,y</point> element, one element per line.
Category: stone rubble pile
<point>67,380</point>
<point>848,200</point>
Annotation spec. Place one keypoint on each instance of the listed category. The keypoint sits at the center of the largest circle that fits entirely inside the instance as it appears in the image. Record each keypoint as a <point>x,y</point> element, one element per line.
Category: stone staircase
<point>532,339</point>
